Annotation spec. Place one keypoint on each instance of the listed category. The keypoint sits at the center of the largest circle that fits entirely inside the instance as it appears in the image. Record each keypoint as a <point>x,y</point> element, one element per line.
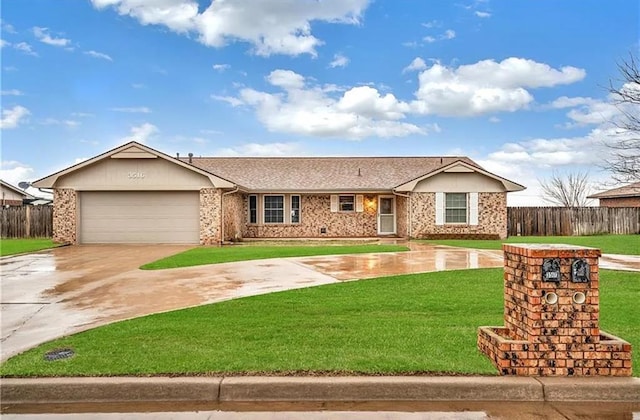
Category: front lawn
<point>19,246</point>
<point>424,323</point>
<point>215,255</point>
<point>609,244</point>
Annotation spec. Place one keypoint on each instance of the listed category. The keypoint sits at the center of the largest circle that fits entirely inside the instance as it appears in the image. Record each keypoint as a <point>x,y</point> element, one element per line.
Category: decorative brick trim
<point>65,207</point>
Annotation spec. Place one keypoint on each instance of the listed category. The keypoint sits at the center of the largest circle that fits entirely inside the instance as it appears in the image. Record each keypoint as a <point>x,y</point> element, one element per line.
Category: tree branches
<point>568,190</point>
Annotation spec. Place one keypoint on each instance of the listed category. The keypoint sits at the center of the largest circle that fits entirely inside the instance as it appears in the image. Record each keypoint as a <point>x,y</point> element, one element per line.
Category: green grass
<point>215,255</point>
<point>610,244</point>
<point>19,246</point>
<point>391,325</point>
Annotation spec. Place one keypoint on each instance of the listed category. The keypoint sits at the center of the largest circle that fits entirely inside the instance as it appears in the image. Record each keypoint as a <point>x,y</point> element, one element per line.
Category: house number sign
<point>135,175</point>
<point>551,270</point>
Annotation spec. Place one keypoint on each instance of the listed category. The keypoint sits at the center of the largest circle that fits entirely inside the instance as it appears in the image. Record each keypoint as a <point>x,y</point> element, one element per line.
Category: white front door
<point>386,215</point>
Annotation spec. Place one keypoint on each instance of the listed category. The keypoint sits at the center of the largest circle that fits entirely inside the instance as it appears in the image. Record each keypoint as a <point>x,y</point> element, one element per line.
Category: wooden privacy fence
<point>26,222</point>
<point>565,221</point>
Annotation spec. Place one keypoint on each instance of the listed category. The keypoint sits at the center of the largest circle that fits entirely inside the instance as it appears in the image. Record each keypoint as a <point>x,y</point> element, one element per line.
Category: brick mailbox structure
<point>551,316</point>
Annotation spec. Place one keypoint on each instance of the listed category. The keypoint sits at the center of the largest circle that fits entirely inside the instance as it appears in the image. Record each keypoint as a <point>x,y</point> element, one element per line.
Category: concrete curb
<point>313,389</point>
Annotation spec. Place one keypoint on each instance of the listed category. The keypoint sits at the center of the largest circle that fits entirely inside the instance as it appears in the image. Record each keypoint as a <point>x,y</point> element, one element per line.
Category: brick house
<point>626,196</point>
<point>135,194</point>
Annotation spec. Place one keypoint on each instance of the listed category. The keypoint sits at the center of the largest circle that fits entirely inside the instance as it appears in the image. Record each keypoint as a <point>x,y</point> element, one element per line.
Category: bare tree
<point>624,160</point>
<point>568,190</point>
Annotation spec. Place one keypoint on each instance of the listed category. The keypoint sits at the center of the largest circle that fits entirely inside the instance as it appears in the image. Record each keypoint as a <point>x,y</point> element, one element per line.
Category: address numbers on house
<point>135,175</point>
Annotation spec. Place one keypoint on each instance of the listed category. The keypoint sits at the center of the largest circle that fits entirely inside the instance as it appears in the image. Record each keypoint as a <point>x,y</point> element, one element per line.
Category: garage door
<point>139,217</point>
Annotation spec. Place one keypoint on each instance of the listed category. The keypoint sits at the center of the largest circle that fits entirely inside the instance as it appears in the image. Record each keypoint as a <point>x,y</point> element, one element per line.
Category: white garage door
<point>139,217</point>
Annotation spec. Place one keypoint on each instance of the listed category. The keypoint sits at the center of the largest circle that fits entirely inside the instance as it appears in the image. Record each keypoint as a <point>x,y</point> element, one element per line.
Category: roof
<point>131,150</point>
<point>15,189</point>
<point>367,174</point>
<point>631,190</point>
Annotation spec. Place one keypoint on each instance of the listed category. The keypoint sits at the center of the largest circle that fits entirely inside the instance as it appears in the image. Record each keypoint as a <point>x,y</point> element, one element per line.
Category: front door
<point>386,215</point>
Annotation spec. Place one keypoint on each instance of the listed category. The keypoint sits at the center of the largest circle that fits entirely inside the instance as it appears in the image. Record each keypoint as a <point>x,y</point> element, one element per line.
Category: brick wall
<point>545,338</point>
<point>402,224</point>
<point>234,216</point>
<point>315,214</point>
<point>620,202</point>
<point>210,199</point>
<point>492,218</point>
<point>65,206</point>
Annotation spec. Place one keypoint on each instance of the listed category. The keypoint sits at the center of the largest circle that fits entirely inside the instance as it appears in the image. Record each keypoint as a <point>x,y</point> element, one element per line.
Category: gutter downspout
<point>222,212</point>
<point>408,197</point>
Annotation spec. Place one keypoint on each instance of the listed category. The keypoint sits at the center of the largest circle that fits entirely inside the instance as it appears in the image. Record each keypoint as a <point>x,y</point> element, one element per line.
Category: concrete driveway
<point>66,290</point>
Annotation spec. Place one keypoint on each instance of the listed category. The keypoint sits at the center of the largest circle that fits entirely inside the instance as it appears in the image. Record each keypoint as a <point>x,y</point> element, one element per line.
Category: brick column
<point>210,216</point>
<point>65,206</point>
<point>551,316</point>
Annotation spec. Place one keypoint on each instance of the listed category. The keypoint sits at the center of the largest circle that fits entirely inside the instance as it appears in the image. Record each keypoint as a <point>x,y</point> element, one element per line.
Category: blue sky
<point>519,86</point>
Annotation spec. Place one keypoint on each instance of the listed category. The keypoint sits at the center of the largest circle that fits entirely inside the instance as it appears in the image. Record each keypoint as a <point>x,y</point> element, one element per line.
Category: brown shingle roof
<point>631,190</point>
<point>323,173</point>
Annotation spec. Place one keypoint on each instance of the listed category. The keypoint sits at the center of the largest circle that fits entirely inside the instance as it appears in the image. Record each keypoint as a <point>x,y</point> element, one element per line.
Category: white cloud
<point>141,133</point>
<point>11,118</point>
<point>25,48</point>
<point>54,121</point>
<point>261,149</point>
<point>231,100</point>
<point>446,35</point>
<point>587,111</point>
<point>486,86</point>
<point>133,110</point>
<point>432,24</point>
<point>42,34</point>
<point>99,55</point>
<point>8,28</point>
<point>15,172</point>
<point>271,26</point>
<point>417,64</point>
<point>138,85</point>
<point>339,60</point>
<point>482,14</point>
<point>4,43</point>
<point>305,109</point>
<point>82,114</point>
<point>221,67</point>
<point>494,120</point>
<point>12,92</point>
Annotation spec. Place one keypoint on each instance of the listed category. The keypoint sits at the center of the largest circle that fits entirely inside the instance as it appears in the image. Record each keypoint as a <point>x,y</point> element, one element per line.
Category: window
<point>295,209</point>
<point>346,203</point>
<point>455,208</point>
<point>253,209</point>
<point>274,209</point>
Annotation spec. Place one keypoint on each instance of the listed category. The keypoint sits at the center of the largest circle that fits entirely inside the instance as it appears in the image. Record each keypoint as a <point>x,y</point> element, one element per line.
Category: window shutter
<point>473,208</point>
<point>334,203</point>
<point>439,208</point>
<point>359,203</point>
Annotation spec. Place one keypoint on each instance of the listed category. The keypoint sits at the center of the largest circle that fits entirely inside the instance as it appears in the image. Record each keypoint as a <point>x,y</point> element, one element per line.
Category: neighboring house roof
<point>331,173</point>
<point>15,189</point>
<point>131,150</point>
<point>631,190</point>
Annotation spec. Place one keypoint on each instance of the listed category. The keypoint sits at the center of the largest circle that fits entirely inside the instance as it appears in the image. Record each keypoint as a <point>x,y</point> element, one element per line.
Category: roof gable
<point>132,150</point>
<point>15,189</point>
<point>459,166</point>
